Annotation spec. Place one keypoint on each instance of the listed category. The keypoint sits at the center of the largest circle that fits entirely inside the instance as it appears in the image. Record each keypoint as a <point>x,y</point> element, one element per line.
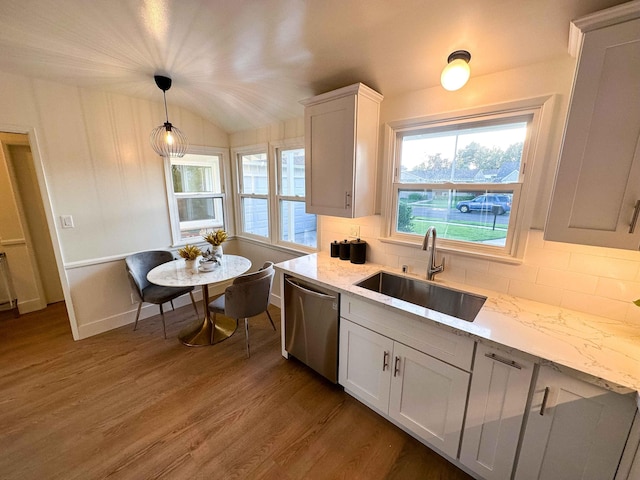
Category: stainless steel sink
<point>456,303</point>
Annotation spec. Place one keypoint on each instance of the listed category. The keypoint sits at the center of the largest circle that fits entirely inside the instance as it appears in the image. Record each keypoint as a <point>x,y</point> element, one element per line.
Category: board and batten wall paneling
<point>98,167</point>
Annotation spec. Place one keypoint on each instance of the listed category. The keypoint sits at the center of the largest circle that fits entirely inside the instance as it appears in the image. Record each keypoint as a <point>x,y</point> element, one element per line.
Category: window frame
<point>536,109</point>
<point>238,153</point>
<point>273,196</point>
<point>172,198</point>
<point>277,147</point>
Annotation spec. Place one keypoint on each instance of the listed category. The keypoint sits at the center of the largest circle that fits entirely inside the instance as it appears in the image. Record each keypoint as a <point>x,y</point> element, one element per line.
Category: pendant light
<point>456,73</point>
<point>167,140</point>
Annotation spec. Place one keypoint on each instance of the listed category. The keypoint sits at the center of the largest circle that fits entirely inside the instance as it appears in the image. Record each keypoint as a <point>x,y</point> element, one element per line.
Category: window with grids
<point>296,226</point>
<point>465,178</point>
<point>196,195</point>
<point>253,172</point>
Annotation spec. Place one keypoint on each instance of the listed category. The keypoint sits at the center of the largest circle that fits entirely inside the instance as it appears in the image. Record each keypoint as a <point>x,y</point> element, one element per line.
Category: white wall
<point>92,151</point>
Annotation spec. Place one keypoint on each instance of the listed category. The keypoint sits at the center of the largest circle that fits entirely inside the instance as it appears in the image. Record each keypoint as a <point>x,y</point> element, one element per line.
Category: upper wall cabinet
<point>341,150</point>
<point>596,198</point>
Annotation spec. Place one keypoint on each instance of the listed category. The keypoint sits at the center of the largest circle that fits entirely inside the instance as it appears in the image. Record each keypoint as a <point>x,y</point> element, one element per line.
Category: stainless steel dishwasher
<point>311,325</point>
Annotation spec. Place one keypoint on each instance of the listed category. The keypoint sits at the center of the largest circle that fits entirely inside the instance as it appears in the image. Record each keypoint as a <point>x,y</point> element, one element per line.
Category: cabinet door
<point>574,430</point>
<point>330,156</point>
<point>598,180</point>
<point>364,366</point>
<point>497,401</point>
<point>428,397</point>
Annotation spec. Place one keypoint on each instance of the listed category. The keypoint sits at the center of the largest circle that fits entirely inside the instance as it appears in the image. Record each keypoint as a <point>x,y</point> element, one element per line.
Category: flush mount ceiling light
<point>167,140</point>
<point>457,71</point>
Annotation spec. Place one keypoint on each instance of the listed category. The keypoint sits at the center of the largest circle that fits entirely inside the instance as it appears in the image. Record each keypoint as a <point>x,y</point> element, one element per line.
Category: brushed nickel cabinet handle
<point>396,367</point>
<point>634,219</point>
<point>385,361</point>
<point>347,196</point>
<point>506,361</point>
<point>543,407</point>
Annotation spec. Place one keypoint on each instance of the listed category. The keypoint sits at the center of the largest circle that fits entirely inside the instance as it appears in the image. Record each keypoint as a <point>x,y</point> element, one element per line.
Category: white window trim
<point>174,218</point>
<point>237,153</point>
<point>541,109</point>
<point>275,148</point>
<point>273,197</point>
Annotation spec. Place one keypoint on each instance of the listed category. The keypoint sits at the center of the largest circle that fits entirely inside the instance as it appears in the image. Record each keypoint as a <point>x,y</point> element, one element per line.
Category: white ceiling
<point>245,64</point>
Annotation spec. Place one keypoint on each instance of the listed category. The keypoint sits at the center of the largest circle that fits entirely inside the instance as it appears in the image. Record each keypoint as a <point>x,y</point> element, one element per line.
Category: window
<point>296,226</point>
<point>271,195</point>
<point>464,176</point>
<point>195,189</point>
<point>253,173</point>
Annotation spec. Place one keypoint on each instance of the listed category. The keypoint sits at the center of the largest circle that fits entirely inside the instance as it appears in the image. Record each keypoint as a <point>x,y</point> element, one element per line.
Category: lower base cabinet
<point>574,430</point>
<point>421,393</point>
<point>497,403</point>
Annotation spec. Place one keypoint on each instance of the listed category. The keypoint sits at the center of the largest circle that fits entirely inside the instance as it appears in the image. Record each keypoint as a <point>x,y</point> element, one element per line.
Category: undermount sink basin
<point>456,303</point>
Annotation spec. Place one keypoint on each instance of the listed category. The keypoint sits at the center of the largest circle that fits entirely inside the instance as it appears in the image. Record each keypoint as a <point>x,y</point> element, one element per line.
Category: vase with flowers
<point>190,253</point>
<point>216,238</point>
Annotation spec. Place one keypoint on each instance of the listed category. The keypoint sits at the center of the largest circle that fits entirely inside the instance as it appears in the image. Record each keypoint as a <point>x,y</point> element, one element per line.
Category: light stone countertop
<point>599,350</point>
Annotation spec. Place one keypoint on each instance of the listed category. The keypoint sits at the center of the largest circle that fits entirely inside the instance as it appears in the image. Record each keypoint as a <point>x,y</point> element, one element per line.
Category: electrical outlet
<point>354,231</point>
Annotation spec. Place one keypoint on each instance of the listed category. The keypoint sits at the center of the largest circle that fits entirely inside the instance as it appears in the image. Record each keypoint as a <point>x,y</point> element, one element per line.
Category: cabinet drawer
<point>446,346</point>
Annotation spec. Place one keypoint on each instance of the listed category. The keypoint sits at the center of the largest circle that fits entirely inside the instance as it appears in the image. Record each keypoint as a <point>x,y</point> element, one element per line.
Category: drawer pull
<point>543,407</point>
<point>634,219</point>
<point>507,362</point>
<point>385,361</point>
<point>396,367</point>
<point>347,199</point>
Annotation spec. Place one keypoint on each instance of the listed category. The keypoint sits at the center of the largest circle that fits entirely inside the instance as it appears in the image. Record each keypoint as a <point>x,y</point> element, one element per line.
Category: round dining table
<point>179,274</point>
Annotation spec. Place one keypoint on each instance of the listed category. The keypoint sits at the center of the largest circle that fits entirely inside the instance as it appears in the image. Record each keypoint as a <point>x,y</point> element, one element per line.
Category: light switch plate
<point>66,221</point>
<point>354,231</point>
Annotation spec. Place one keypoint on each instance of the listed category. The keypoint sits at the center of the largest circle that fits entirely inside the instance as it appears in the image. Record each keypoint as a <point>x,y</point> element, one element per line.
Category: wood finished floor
<point>131,405</point>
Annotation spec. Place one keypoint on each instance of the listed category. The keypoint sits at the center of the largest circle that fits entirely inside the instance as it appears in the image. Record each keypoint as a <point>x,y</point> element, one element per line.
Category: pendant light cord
<point>166,113</point>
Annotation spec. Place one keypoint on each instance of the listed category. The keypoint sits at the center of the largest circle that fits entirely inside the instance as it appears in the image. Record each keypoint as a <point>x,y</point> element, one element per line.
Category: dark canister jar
<point>345,250</point>
<point>358,253</point>
<point>335,249</point>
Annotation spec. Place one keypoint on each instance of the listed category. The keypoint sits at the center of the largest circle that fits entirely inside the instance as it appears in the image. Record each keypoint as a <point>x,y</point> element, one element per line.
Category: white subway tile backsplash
<point>523,272</point>
<point>618,289</point>
<point>594,305</point>
<point>633,314</point>
<point>603,266</point>
<point>487,280</point>
<point>562,279</point>
<point>532,291</point>
<point>547,258</point>
<point>468,263</point>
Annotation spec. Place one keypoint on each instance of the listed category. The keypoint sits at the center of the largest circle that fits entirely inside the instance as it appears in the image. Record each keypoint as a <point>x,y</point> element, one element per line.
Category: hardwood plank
<point>132,405</point>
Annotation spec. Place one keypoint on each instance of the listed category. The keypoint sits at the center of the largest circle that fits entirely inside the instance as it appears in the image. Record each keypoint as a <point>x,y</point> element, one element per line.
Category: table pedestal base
<point>200,334</point>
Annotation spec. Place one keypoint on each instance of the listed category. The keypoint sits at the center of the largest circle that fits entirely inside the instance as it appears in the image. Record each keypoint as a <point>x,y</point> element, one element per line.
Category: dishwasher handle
<point>310,292</point>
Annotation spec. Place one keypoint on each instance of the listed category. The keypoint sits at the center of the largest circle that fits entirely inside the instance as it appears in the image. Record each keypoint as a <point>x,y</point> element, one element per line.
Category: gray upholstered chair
<point>247,297</point>
<point>138,265</point>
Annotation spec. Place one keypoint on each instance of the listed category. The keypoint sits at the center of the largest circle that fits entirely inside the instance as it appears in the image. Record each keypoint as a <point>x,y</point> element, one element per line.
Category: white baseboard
<point>129,317</point>
<point>148,310</point>
<point>32,305</point>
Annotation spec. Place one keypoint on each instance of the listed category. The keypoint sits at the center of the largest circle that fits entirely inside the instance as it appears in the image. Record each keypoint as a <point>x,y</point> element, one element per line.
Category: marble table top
<point>600,350</point>
<point>177,274</point>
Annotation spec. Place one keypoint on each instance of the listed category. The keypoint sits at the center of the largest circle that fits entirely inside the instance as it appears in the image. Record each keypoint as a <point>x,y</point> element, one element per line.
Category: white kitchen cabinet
<point>364,366</point>
<point>574,430</point>
<point>428,397</point>
<point>596,198</point>
<point>497,402</point>
<point>341,151</point>
<point>419,392</point>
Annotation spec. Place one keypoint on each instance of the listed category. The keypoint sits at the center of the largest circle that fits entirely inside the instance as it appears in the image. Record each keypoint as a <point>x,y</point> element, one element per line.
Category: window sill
<point>280,248</point>
<point>496,257</point>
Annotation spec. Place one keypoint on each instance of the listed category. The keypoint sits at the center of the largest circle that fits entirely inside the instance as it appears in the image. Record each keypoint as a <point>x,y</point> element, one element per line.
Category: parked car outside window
<point>486,202</point>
